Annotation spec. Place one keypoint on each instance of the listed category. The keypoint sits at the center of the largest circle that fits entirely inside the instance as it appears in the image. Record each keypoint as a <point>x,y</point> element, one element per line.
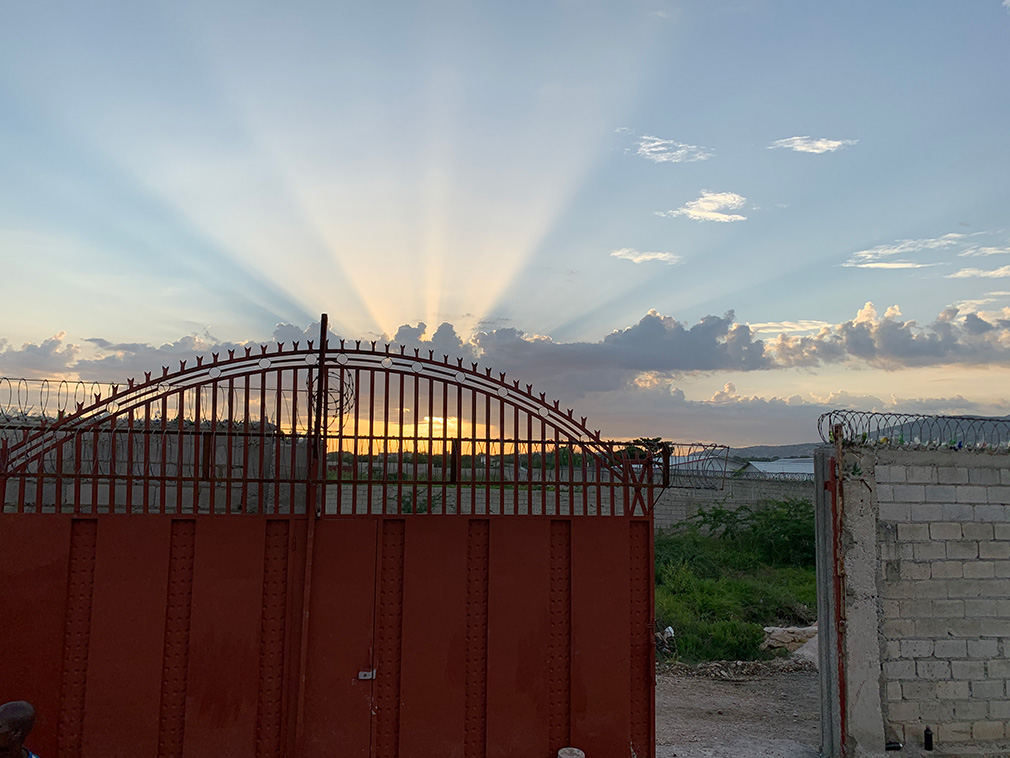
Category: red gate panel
<point>434,644</point>
<point>224,646</point>
<point>518,692</point>
<point>601,642</point>
<point>127,637</point>
<point>337,704</point>
<point>34,586</point>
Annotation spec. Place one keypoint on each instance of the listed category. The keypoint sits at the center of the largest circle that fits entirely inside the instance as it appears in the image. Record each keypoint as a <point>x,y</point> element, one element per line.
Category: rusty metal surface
<point>210,560</point>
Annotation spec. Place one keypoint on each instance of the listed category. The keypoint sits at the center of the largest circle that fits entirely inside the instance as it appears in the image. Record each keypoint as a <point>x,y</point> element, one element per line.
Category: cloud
<point>51,358</point>
<point>710,207</point>
<point>803,325</point>
<point>811,145</point>
<point>978,273</point>
<point>874,257</point>
<point>979,251</point>
<point>660,150</point>
<point>630,254</point>
<point>890,342</point>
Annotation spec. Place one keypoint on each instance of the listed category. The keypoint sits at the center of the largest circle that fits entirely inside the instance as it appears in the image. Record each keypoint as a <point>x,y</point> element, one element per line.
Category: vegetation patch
<point>724,574</point>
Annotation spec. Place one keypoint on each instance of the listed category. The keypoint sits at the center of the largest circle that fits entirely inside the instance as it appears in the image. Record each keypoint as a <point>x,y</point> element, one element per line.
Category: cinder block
<point>909,493</point>
<point>936,712</point>
<point>992,549</point>
<point>958,512</point>
<point>899,669</point>
<point>969,493</point>
<point>962,549</point>
<point>911,570</point>
<point>924,474</point>
<point>979,570</point>
<point>946,569</point>
<point>948,608</point>
<point>1004,475</point>
<point>950,649</point>
<point>979,608</point>
<point>944,530</point>
<point>914,532</point>
<point>918,690</point>
<point>921,511</point>
<point>987,689</point>
<point>997,588</point>
<point>898,628</point>
<point>1002,568</point>
<point>889,473</point>
<point>994,627</point>
<point>894,511</point>
<point>968,669</point>
<point>971,710</point>
<point>893,691</point>
<point>999,495</point>
<point>998,668</point>
<point>892,650</point>
<point>934,589</point>
<point>933,669</point>
<point>916,648</point>
<point>916,609</point>
<point>983,648</point>
<point>987,730</point>
<point>999,709</point>
<point>990,513</point>
<point>964,588</point>
<point>979,475</point>
<point>885,493</point>
<point>891,609</point>
<point>941,493</point>
<point>953,690</point>
<point>974,531</point>
<point>1001,531</point>
<point>952,732</point>
<point>905,710</point>
<point>930,551</point>
<point>952,475</point>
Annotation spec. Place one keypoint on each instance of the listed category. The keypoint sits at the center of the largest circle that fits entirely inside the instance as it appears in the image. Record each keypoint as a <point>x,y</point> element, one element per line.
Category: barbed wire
<point>22,399</point>
<point>915,431</point>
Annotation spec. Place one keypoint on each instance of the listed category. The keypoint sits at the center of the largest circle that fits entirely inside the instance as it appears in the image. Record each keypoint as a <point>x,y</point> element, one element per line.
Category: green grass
<point>723,575</point>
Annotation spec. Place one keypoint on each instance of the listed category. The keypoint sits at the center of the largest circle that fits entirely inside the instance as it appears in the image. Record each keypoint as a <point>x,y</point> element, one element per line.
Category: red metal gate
<point>326,551</point>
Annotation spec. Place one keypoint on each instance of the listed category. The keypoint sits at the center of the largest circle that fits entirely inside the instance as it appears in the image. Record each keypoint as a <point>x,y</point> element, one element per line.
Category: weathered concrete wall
<point>676,505</point>
<point>925,556</point>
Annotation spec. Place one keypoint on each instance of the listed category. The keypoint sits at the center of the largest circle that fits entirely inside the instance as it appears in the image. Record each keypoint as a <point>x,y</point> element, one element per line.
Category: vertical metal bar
<point>354,443</point>
<point>246,391</point>
<point>197,447</point>
<point>385,440</point>
<point>260,473</point>
<point>130,436</point>
<point>371,437</point>
<point>399,448</point>
<point>210,448</point>
<point>112,467</point>
<point>229,448</point>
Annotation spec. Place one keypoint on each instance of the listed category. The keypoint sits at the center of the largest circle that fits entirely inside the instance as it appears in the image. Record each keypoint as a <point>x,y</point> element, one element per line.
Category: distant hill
<point>802,450</point>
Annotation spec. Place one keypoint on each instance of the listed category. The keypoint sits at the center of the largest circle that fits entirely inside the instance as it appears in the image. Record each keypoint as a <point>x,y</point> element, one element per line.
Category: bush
<point>724,574</point>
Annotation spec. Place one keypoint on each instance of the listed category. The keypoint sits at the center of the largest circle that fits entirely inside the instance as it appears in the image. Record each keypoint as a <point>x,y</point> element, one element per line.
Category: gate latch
<point>368,674</point>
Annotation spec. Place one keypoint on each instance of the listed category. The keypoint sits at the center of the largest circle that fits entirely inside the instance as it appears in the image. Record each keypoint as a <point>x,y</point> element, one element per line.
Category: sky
<point>706,220</point>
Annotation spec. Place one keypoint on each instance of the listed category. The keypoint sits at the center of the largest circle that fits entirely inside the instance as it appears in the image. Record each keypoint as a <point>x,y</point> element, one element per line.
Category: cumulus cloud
<point>710,207</point>
<point>50,358</point>
<point>811,145</point>
<point>630,254</point>
<point>660,150</point>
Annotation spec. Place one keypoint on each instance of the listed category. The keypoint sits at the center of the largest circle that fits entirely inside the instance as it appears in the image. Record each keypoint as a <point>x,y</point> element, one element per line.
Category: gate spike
<point>445,359</point>
<point>341,343</point>
<point>98,397</point>
<point>570,412</point>
<point>248,350</point>
<point>147,376</point>
<point>529,389</point>
<point>473,367</point>
<point>417,352</point>
<point>584,420</point>
<point>130,382</point>
<point>357,344</point>
<point>164,371</point>
<point>431,355</point>
<point>80,407</point>
<point>214,357</point>
<point>596,433</point>
<point>182,365</point>
<point>294,345</point>
<point>373,345</point>
<point>402,348</point>
<point>459,362</point>
<point>516,383</point>
<point>387,348</point>
<point>310,344</point>
<point>556,405</point>
<point>280,347</point>
<point>199,361</point>
<point>231,355</point>
<point>263,349</point>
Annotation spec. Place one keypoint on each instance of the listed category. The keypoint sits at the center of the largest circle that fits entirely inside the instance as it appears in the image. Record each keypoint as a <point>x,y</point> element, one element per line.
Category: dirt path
<point>746,711</point>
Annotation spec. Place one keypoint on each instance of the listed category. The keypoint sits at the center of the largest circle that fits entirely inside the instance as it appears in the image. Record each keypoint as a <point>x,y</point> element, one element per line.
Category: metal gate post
<point>313,510</point>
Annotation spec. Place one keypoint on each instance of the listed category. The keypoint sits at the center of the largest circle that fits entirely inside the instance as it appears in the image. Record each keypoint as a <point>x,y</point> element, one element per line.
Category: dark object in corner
<point>892,745</point>
<point>927,739</point>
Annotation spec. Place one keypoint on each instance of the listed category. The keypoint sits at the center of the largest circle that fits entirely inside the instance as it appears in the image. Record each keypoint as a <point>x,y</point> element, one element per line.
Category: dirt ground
<point>749,710</point>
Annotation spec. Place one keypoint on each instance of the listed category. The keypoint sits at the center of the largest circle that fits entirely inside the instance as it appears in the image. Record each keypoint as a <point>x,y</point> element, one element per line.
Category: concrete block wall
<point>925,546</point>
<point>676,505</point>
